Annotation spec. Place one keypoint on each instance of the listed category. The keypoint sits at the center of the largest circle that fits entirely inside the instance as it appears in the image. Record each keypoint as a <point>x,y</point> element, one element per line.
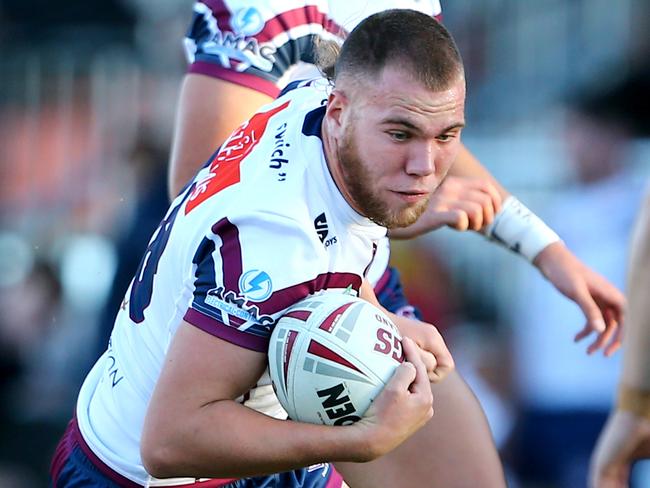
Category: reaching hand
<point>625,438</point>
<point>601,302</point>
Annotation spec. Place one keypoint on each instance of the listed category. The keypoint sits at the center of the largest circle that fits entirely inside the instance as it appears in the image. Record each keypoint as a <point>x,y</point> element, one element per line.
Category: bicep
<point>200,369</point>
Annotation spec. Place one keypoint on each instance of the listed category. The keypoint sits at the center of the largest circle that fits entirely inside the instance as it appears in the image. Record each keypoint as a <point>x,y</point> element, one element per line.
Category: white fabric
<point>520,230</point>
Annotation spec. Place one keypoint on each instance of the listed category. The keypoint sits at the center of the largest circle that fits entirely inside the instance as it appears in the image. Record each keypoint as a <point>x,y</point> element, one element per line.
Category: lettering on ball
<point>388,343</point>
<point>338,405</point>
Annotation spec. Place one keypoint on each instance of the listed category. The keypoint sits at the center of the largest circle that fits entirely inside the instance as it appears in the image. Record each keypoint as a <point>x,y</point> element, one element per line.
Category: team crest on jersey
<point>256,285</point>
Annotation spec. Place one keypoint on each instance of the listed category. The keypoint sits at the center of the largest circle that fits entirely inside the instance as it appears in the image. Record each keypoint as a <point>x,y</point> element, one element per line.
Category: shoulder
<point>264,162</point>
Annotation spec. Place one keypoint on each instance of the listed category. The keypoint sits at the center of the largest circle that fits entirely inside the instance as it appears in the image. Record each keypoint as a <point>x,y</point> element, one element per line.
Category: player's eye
<point>399,136</point>
<point>447,137</point>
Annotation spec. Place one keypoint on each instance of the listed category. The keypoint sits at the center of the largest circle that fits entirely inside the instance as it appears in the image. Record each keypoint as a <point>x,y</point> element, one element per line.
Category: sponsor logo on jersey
<point>279,156</point>
<point>239,52</point>
<point>322,229</point>
<point>247,21</point>
<point>112,368</point>
<point>256,285</point>
<point>235,305</point>
<point>224,168</point>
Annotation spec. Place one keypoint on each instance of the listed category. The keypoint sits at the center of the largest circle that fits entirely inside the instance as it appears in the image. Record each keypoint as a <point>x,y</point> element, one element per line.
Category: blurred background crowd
<point>558,109</point>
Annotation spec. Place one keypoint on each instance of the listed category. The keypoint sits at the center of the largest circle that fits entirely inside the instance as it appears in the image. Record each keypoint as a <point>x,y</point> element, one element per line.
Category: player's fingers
<point>455,218</point>
<point>616,343</point>
<point>584,332</point>
<point>474,211</point>
<point>592,312</point>
<point>460,215</point>
<point>429,360</point>
<point>443,368</point>
<point>617,339</point>
<point>486,203</point>
<point>609,335</point>
<point>403,377</point>
<point>444,360</point>
<point>414,357</point>
<point>602,339</point>
<point>495,196</point>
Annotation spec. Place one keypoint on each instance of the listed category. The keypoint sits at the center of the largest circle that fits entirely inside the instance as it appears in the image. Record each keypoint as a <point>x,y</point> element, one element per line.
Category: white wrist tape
<point>520,230</point>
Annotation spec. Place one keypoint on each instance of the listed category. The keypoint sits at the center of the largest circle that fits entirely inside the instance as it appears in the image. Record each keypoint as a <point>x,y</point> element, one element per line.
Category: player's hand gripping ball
<point>330,356</point>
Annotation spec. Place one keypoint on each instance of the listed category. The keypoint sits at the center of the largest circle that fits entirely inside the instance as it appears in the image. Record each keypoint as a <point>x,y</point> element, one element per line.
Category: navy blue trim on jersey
<point>291,86</point>
<point>312,125</point>
<point>390,294</point>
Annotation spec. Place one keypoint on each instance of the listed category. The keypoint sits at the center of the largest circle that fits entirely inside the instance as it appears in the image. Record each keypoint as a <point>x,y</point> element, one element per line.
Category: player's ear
<point>337,107</point>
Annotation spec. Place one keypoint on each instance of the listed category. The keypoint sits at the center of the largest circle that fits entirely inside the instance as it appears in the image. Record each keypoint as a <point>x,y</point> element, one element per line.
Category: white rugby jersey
<point>262,226</point>
<point>263,44</point>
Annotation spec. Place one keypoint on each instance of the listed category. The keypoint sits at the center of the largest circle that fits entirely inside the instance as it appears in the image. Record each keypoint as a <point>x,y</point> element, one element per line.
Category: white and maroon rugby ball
<point>330,356</point>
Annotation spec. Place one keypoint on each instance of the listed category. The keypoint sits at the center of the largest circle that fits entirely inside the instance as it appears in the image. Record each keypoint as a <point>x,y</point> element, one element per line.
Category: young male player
<point>180,390</point>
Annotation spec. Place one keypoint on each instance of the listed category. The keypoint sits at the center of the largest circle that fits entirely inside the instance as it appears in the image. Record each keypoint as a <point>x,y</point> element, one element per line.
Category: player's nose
<point>422,159</point>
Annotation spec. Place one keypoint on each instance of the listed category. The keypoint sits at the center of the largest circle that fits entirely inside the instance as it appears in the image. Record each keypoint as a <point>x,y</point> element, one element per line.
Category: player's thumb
<point>406,372</point>
<point>403,377</point>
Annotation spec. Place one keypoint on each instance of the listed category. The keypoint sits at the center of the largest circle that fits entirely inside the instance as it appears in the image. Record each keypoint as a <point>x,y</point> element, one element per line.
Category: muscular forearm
<point>636,364</point>
<point>228,440</point>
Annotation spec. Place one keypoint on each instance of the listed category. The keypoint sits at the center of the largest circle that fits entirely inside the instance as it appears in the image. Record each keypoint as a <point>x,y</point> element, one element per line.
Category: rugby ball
<point>330,355</point>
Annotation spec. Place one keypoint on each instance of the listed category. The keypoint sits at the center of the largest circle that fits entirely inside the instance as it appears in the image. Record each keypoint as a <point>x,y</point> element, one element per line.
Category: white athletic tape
<point>520,230</point>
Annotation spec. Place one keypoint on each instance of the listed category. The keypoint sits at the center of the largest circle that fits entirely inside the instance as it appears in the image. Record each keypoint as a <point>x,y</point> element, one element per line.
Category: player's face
<point>396,144</point>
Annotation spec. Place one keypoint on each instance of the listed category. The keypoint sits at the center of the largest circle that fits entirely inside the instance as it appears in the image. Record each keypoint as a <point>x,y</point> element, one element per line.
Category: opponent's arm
<point>472,199</point>
<point>626,436</point>
<point>193,427</point>
<point>209,109</point>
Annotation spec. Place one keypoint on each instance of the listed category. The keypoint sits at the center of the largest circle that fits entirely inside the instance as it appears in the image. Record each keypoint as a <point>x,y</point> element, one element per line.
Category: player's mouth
<point>411,196</point>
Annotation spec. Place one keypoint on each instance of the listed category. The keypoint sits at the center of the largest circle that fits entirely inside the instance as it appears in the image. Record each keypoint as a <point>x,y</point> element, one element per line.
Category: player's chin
<point>405,216</point>
<point>409,214</point>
